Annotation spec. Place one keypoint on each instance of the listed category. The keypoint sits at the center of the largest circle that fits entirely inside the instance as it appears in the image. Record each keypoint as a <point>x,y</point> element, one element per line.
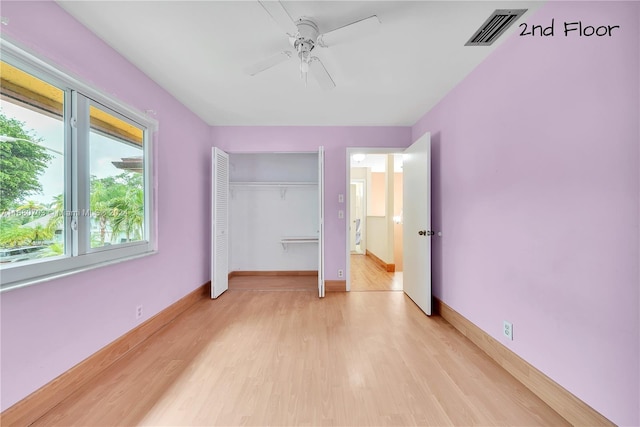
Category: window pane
<point>31,168</point>
<point>117,180</point>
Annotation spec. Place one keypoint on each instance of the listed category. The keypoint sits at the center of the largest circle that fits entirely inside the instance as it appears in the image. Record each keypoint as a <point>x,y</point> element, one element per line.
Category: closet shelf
<point>283,186</point>
<point>297,239</point>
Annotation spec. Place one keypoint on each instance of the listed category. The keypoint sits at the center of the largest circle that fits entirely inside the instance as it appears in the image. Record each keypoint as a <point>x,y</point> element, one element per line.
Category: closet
<point>267,215</point>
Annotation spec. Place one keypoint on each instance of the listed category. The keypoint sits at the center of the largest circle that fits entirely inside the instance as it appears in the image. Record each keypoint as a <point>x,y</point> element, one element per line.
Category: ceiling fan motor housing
<point>306,38</point>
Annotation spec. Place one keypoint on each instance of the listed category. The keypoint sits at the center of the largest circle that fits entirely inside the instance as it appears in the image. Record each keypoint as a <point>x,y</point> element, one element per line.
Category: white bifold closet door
<point>219,223</point>
<point>321,222</point>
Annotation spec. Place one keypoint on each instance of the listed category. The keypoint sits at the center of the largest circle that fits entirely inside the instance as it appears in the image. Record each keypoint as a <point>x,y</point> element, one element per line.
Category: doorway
<point>375,197</point>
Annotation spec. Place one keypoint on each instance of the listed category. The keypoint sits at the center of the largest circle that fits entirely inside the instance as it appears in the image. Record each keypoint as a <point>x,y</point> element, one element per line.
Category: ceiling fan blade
<point>349,31</point>
<point>280,15</point>
<point>316,68</point>
<point>269,62</point>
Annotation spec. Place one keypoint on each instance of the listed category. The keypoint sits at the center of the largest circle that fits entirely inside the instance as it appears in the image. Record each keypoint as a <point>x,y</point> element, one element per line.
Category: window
<point>75,174</point>
<point>32,166</point>
<point>116,168</point>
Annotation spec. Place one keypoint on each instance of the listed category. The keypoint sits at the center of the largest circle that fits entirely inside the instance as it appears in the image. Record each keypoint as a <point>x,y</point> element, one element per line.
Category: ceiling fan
<point>304,37</point>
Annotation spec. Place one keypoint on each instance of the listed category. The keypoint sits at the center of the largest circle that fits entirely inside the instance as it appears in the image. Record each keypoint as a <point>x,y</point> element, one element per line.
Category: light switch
<point>340,198</point>
<point>340,214</point>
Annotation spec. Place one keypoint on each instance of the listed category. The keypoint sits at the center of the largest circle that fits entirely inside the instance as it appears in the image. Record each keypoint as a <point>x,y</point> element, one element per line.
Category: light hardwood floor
<point>290,358</point>
<point>274,283</point>
<point>368,275</point>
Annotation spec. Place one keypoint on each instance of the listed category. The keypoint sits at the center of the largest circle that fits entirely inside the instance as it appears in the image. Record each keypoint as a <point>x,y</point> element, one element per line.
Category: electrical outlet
<point>340,273</point>
<point>138,312</point>
<point>507,329</point>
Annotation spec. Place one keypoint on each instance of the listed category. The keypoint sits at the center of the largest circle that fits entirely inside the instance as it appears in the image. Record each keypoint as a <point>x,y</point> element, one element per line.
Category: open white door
<point>321,222</point>
<point>416,166</point>
<point>219,222</point>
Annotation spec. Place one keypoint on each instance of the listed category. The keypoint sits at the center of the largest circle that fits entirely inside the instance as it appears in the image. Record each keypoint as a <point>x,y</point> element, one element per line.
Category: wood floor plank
<point>290,358</point>
<point>273,283</point>
<point>368,275</point>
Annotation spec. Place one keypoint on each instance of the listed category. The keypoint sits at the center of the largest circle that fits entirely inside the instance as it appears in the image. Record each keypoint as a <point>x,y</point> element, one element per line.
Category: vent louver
<point>493,27</point>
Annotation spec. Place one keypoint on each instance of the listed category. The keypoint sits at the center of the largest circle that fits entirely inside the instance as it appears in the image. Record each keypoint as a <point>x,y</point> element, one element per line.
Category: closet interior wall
<point>273,212</point>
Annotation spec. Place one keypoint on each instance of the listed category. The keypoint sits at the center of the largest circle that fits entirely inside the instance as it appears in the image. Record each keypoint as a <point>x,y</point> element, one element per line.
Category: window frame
<point>79,256</point>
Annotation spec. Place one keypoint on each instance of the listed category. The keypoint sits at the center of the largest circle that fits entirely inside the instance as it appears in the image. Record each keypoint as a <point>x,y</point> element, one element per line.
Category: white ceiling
<point>198,50</point>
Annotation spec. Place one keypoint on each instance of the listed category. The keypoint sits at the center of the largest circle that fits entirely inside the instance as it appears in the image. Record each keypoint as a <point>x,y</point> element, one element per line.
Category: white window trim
<point>46,269</point>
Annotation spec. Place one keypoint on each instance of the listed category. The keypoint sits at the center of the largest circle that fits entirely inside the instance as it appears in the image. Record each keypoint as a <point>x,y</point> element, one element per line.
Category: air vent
<point>493,27</point>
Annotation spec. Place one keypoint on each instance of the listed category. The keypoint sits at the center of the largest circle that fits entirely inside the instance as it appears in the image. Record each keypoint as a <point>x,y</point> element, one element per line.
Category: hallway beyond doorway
<point>368,275</point>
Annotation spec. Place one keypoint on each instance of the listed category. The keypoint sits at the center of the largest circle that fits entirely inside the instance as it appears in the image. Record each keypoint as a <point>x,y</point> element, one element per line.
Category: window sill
<point>58,275</point>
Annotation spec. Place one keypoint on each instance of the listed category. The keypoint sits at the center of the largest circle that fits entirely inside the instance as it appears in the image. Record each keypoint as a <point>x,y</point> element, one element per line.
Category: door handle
<point>426,233</point>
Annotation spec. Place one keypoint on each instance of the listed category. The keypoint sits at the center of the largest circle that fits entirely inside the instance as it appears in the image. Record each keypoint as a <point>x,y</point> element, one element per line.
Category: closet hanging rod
<point>273,184</point>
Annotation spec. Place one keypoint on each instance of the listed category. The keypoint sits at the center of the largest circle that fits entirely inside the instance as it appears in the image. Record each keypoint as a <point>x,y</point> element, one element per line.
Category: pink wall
<point>335,140</point>
<point>48,328</point>
<point>378,194</point>
<point>536,189</point>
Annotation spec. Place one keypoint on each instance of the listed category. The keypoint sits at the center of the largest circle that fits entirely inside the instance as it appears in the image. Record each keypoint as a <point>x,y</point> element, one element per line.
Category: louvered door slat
<point>219,223</point>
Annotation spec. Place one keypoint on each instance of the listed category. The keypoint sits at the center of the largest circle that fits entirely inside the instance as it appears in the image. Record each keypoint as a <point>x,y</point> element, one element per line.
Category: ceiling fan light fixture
<point>305,59</point>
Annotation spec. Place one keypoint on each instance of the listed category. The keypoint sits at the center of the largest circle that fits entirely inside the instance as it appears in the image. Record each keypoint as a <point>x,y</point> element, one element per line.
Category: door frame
<point>347,211</point>
<point>321,205</point>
